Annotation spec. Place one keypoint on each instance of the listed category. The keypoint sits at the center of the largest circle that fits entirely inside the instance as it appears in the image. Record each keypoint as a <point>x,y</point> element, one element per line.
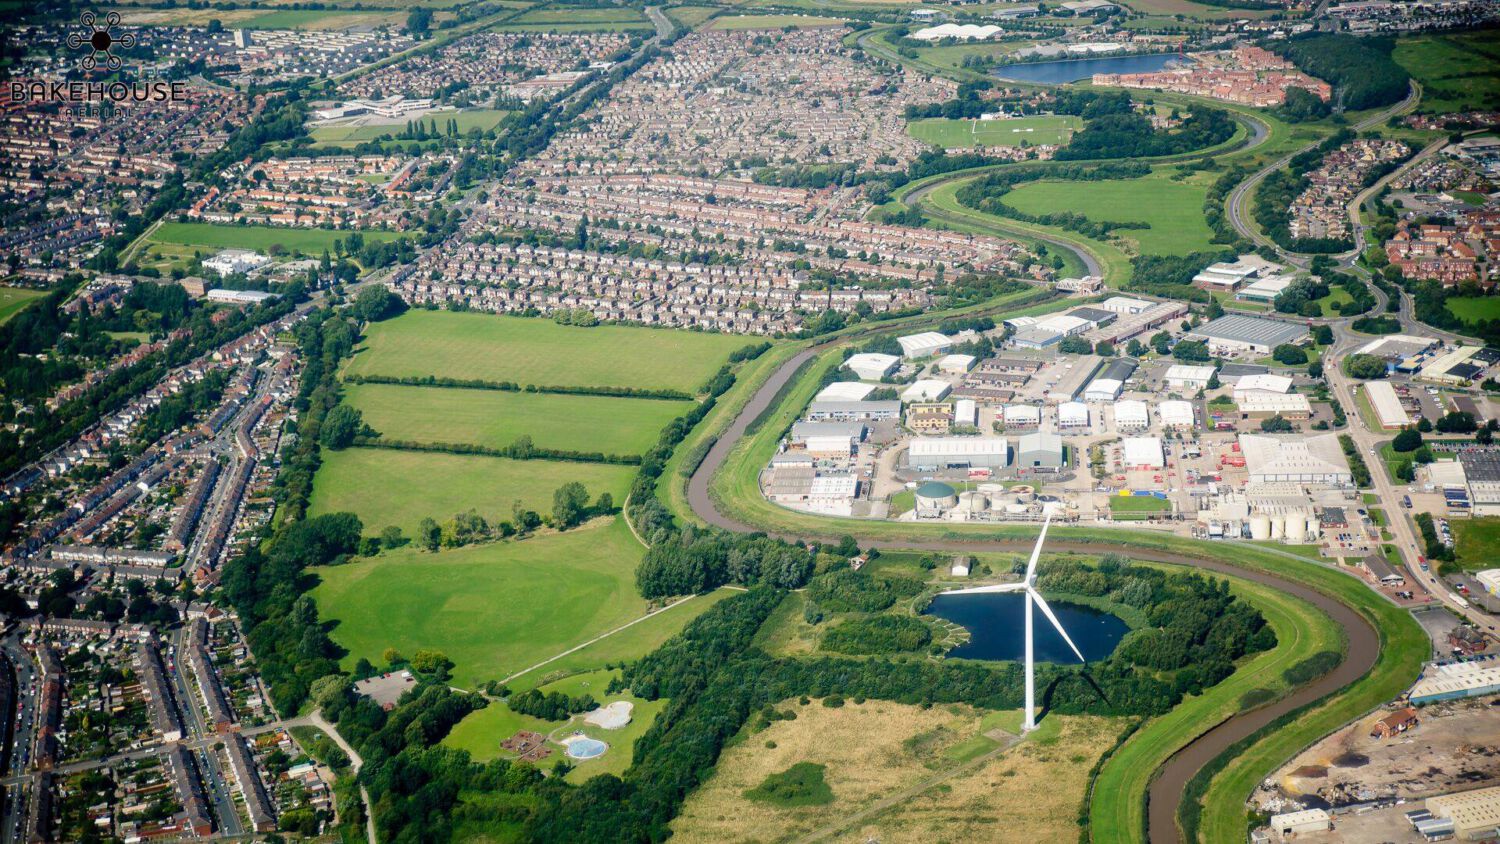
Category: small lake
<point>997,624</point>
<point>1064,71</point>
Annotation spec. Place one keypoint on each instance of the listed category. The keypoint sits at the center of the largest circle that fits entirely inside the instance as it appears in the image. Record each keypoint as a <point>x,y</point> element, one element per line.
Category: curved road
<point>1165,794</point>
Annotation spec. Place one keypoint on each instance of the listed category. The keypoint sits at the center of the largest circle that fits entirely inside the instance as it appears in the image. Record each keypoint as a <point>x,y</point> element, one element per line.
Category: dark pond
<point>996,623</point>
<point>1064,71</point>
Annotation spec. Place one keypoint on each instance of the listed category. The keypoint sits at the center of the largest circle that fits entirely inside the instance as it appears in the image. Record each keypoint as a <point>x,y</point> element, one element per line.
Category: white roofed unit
<point>1263,383</point>
<point>923,345</point>
<point>1306,821</point>
<point>1103,389</point>
<point>1181,376</point>
<point>957,364</point>
<point>1296,458</point>
<point>992,452</point>
<point>1291,404</point>
<point>1064,324</point>
<point>844,391</point>
<point>927,389</point>
<point>1387,405</point>
<point>1437,371</point>
<point>1023,415</point>
<point>1175,414</point>
<point>1265,289</point>
<point>960,31</point>
<point>830,446</point>
<point>1124,305</point>
<point>1072,415</point>
<point>1142,453</point>
<point>966,413</point>
<point>872,366</point>
<point>1131,415</point>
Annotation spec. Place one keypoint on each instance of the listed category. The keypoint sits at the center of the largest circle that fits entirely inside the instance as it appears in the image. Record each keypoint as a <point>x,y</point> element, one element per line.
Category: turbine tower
<point>1028,586</point>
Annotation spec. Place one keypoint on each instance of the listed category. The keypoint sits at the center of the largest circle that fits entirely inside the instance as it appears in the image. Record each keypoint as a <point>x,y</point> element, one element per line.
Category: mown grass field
<point>578,20</point>
<point>535,351</point>
<point>1173,209</point>
<point>493,609</point>
<point>774,22</point>
<point>1474,308</point>
<point>1457,71</point>
<point>1010,132</point>
<point>386,487</point>
<point>691,16</point>
<point>351,135</point>
<point>1194,10</point>
<point>1476,542</point>
<point>258,238</point>
<point>14,299</point>
<point>1139,504</point>
<point>497,419</point>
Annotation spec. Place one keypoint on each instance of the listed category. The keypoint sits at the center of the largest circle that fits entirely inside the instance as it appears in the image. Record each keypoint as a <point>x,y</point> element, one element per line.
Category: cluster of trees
<point>1171,276</point>
<point>522,449</point>
<point>552,706</point>
<point>513,387</point>
<point>1113,129</point>
<point>691,561</point>
<point>1360,69</point>
<point>1364,367</point>
<point>845,590</point>
<point>986,194</point>
<point>1302,106</point>
<point>1434,545</point>
<point>1357,466</point>
<point>879,634</point>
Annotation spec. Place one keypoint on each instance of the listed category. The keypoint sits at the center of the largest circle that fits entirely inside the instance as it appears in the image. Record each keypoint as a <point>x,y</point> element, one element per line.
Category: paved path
<point>601,636</point>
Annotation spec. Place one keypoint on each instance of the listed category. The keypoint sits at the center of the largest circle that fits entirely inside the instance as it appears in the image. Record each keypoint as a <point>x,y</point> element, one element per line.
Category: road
<point>1166,790</point>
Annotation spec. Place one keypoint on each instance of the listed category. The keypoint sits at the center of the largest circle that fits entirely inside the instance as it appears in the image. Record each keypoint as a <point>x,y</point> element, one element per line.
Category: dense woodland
<point>1361,70</point>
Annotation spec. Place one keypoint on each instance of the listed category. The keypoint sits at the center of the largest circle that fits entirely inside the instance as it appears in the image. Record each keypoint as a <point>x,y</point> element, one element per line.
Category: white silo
<point>1260,526</point>
<point>1278,526</point>
<point>1296,528</point>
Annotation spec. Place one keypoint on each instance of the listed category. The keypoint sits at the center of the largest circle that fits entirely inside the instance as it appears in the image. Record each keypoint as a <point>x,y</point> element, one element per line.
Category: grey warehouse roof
<point>1119,369</point>
<point>1483,466</point>
<point>1247,329</point>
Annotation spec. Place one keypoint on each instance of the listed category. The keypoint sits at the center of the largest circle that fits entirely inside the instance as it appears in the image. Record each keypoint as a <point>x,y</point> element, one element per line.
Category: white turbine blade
<point>980,590</point>
<point>1047,611</point>
<point>1036,553</point>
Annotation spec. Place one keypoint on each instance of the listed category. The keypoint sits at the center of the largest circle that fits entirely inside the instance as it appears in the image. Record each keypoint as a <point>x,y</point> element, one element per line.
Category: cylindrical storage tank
<point>1052,508</point>
<point>1023,494</point>
<point>936,495</point>
<point>1260,526</point>
<point>1016,509</point>
<point>1278,527</point>
<point>1296,528</point>
<point>1314,528</point>
<point>973,502</point>
<point>991,490</point>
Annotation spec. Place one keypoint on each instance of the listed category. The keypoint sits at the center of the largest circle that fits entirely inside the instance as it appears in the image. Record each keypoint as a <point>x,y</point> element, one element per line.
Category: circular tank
<point>1278,527</point>
<point>1024,494</point>
<point>936,495</point>
<point>1016,509</point>
<point>973,502</point>
<point>1296,528</point>
<point>1260,526</point>
<point>991,490</point>
<point>1052,508</point>
<point>1314,529</point>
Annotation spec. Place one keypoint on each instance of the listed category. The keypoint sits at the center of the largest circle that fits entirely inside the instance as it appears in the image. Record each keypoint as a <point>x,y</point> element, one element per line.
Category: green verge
<point>1117,808</point>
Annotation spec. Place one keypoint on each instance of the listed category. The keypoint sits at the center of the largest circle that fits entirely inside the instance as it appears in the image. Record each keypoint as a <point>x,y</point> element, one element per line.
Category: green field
<point>496,419</point>
<point>1474,308</point>
<point>691,16</point>
<point>1174,209</point>
<point>1476,542</point>
<point>774,22</point>
<point>1190,9</point>
<point>494,609</point>
<point>536,351</point>
<point>1457,71</point>
<point>481,732</point>
<point>349,135</point>
<point>1139,504</point>
<point>258,238</point>
<point>385,487</point>
<point>322,19</point>
<point>1012,132</point>
<point>14,299</point>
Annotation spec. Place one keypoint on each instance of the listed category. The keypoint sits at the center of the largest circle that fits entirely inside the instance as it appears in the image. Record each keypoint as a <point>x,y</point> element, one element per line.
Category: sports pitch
<point>493,609</point>
<point>258,238</point>
<point>496,419</point>
<point>352,134</point>
<point>1011,132</point>
<point>15,299</point>
<point>535,351</point>
<point>386,487</point>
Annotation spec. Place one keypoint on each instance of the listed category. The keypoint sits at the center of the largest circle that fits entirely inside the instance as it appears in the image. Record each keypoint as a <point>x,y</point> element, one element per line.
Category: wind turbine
<point>1028,586</point>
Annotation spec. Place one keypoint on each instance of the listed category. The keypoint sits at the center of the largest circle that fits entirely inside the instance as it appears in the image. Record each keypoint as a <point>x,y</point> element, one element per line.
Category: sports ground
<point>14,299</point>
<point>352,134</point>
<point>258,238</point>
<point>1033,131</point>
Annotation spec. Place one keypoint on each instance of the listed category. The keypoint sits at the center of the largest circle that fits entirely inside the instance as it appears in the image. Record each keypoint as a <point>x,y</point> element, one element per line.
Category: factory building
<point>1442,681</point>
<point>1111,380</point>
<point>1188,378</point>
<point>1125,305</point>
<point>1261,383</point>
<point>871,366</point>
<point>1475,814</point>
<point>1301,459</point>
<point>1230,276</point>
<point>1039,451</point>
<point>966,413</point>
<point>958,453</point>
<point>1482,469</point>
<point>1237,334</point>
<point>1142,453</point>
<point>850,411</point>
<point>1022,416</point>
<point>844,391</point>
<point>1293,406</point>
<point>1073,416</point>
<point>1387,405</point>
<point>956,364</point>
<point>1303,822</point>
<point>1131,415</point>
<point>803,431</point>
<point>926,344</point>
<point>1175,415</point>
<point>927,389</point>
<point>929,417</point>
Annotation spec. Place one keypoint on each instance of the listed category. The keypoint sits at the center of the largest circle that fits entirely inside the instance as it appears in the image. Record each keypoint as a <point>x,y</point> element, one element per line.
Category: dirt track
<point>1165,793</point>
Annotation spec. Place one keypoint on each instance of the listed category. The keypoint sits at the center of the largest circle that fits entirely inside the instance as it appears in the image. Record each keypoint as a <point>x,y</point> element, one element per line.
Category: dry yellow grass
<point>908,765</point>
<point>1028,793</point>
